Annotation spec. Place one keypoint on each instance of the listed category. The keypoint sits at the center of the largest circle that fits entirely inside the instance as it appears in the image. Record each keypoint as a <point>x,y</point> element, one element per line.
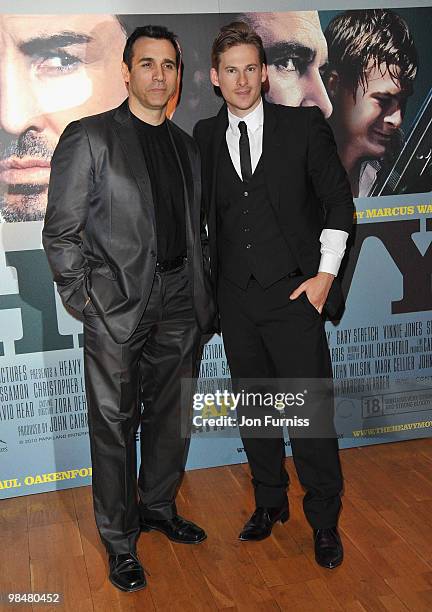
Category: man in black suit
<point>279,213</point>
<point>123,236</point>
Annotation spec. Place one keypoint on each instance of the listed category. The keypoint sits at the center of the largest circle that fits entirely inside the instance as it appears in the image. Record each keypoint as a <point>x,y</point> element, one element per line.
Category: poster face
<point>373,83</point>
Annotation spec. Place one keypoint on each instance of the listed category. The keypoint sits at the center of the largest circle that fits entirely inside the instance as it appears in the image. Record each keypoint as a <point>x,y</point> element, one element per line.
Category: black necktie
<point>245,157</point>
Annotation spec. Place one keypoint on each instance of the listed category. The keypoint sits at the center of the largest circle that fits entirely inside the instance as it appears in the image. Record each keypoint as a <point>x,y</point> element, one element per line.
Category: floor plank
<point>49,543</point>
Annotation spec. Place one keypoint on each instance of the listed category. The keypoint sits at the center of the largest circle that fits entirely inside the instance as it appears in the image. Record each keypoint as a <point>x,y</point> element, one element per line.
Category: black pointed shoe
<point>176,529</point>
<point>126,572</point>
<point>328,547</point>
<point>260,524</point>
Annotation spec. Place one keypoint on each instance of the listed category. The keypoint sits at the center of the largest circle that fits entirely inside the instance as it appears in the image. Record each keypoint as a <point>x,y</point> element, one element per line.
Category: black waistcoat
<point>250,242</point>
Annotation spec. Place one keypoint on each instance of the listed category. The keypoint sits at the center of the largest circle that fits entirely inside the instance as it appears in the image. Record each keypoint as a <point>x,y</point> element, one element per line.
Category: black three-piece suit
<point>142,327</point>
<point>264,242</point>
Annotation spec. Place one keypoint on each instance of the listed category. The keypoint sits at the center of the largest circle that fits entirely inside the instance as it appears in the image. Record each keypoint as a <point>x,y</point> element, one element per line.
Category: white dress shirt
<point>333,241</point>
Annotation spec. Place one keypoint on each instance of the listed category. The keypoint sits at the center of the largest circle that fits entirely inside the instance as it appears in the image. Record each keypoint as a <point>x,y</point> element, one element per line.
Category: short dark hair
<point>150,31</point>
<point>233,34</point>
<point>355,38</point>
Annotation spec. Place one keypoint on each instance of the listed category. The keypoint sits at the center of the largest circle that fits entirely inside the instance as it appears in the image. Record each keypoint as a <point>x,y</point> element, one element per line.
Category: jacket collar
<point>122,113</point>
<point>270,124</point>
<point>253,120</point>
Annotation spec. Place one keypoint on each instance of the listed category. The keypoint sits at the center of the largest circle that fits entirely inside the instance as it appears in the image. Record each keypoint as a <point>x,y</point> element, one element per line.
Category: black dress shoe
<point>260,524</point>
<point>126,572</point>
<point>176,529</point>
<point>328,547</point>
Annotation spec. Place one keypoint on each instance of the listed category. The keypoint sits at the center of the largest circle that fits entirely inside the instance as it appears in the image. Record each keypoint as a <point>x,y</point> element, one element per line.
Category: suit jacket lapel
<point>131,146</point>
<point>271,156</point>
<point>270,152</point>
<point>183,155</point>
<point>218,140</point>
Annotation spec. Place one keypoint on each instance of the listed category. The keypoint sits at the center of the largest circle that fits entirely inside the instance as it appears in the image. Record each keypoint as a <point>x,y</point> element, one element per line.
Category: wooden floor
<point>49,543</point>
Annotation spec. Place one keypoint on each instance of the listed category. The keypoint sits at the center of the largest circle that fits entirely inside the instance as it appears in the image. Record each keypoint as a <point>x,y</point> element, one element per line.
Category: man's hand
<point>316,289</point>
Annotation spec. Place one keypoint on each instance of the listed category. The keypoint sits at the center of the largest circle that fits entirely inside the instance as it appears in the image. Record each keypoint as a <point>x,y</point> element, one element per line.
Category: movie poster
<point>373,83</point>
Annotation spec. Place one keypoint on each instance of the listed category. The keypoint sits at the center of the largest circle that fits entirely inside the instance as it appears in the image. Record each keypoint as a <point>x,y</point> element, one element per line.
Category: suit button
<point>246,229</point>
<point>248,246</point>
<point>246,193</point>
<point>245,212</point>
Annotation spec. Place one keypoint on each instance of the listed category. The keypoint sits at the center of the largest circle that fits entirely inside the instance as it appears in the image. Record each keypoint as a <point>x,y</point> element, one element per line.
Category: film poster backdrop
<point>56,69</point>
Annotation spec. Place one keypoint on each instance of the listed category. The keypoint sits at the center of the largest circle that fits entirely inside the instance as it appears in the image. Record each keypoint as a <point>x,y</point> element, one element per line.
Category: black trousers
<point>267,335</point>
<point>148,368</point>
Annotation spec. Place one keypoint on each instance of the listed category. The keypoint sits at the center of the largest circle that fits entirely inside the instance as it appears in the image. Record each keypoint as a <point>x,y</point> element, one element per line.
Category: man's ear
<point>214,77</point>
<point>332,84</point>
<point>125,73</point>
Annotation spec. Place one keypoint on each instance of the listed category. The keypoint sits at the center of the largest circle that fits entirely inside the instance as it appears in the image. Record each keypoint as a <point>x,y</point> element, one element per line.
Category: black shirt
<point>167,188</point>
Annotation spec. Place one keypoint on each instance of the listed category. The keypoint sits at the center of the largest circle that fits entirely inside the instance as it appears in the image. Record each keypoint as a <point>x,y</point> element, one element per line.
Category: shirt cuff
<point>333,244</point>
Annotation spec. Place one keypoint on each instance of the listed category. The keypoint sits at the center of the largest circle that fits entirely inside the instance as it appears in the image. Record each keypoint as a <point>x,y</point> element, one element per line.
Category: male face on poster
<point>296,53</point>
<point>54,69</point>
<point>371,69</point>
